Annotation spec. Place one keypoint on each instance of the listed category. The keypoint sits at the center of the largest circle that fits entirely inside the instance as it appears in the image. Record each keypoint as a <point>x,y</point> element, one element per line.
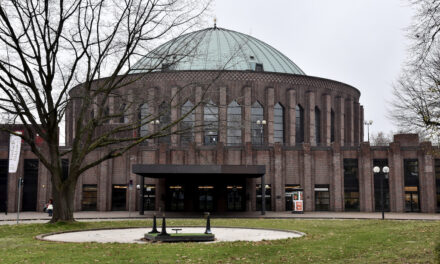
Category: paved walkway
<point>35,217</point>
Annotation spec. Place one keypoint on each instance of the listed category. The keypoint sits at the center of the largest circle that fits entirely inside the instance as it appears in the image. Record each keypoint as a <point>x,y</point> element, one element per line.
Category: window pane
<point>278,123</point>
<point>187,124</point>
<point>234,123</point>
<point>257,130</point>
<point>210,123</point>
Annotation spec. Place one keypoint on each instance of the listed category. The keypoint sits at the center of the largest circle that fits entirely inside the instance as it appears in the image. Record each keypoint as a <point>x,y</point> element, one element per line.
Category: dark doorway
<point>149,197</point>
<point>206,198</point>
<point>411,199</point>
<point>267,196</point>
<point>119,197</point>
<point>322,197</point>
<point>30,185</point>
<point>3,184</point>
<point>176,198</point>
<point>235,195</point>
<point>89,197</point>
<point>288,191</point>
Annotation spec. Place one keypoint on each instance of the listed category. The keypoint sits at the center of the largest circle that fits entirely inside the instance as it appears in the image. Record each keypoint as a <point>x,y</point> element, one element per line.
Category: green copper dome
<point>216,49</point>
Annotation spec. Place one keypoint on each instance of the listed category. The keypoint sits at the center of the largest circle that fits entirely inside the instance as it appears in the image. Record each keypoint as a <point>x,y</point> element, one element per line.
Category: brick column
<point>308,187</point>
<point>104,185</point>
<point>366,179</point>
<point>349,124</point>
<point>340,121</point>
<point>270,98</point>
<point>223,115</point>
<point>291,117</point>
<point>357,124</point>
<point>396,178</point>
<point>427,192</point>
<point>326,116</point>
<point>337,180</point>
<point>250,182</point>
<point>247,114</point>
<point>278,179</point>
<point>174,115</point>
<point>199,118</point>
<point>361,115</point>
<point>310,119</point>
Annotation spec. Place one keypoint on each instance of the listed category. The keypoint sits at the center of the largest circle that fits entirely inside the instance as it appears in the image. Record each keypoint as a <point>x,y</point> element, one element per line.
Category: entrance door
<point>177,201</point>
<point>30,185</point>
<point>149,197</point>
<point>3,184</point>
<point>119,197</point>
<point>206,198</point>
<point>235,197</point>
<point>412,202</point>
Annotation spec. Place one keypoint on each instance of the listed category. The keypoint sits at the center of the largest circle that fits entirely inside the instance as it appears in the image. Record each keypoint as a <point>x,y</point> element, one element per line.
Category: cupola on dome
<point>216,49</point>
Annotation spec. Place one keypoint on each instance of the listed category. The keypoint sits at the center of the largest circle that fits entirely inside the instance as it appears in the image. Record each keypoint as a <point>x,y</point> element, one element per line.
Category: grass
<point>327,241</point>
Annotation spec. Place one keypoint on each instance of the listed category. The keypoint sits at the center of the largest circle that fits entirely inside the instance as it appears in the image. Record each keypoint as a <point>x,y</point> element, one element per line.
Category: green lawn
<point>327,241</point>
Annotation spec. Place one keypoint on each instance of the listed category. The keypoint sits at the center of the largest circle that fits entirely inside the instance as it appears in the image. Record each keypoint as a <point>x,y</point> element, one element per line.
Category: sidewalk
<point>123,215</point>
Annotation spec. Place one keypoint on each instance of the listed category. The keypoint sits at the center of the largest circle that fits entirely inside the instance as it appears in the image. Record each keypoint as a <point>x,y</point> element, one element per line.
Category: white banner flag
<point>14,152</point>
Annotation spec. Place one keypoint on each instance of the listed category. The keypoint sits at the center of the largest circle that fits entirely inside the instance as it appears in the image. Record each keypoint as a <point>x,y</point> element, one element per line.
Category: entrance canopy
<point>164,171</point>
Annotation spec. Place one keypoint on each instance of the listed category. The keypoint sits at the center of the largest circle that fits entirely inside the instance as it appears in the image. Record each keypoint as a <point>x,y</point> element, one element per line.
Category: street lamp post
<point>385,171</point>
<point>261,123</point>
<point>368,124</point>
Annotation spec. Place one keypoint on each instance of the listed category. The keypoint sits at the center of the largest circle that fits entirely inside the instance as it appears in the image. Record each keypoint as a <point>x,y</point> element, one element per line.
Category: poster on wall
<point>297,197</point>
<point>14,152</point>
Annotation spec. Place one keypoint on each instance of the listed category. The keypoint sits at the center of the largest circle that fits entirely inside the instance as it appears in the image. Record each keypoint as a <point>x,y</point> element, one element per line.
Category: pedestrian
<point>49,207</point>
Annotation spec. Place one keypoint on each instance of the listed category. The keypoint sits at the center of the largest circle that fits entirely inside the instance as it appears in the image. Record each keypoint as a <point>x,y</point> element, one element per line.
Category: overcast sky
<point>359,42</point>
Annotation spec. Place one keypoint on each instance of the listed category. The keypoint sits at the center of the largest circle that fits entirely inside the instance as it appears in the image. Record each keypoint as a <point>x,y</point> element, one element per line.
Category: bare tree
<point>50,47</point>
<point>381,139</point>
<point>416,107</point>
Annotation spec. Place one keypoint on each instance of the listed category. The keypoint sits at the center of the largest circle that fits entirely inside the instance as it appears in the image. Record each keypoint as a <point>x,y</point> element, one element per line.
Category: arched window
<point>332,126</point>
<point>187,124</point>
<point>165,120</point>
<point>143,119</point>
<point>278,123</point>
<point>317,125</point>
<point>299,125</point>
<point>234,123</point>
<point>257,129</point>
<point>210,123</point>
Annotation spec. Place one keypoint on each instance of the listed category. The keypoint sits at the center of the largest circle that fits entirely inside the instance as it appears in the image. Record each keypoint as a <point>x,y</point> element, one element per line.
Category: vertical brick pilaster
<point>307,179</point>
<point>337,180</point>
<point>357,124</point>
<point>104,185</point>
<point>277,183</point>
<point>291,117</point>
<point>310,119</point>
<point>396,178</point>
<point>361,115</point>
<point>174,115</point>
<point>247,113</point>
<point>270,102</point>
<point>366,179</point>
<point>222,115</point>
<point>250,182</point>
<point>349,123</point>
<point>326,115</point>
<point>199,118</point>
<point>428,195</point>
<point>340,121</point>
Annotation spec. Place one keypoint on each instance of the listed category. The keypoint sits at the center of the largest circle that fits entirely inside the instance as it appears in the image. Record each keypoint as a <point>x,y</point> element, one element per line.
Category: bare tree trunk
<point>64,200</point>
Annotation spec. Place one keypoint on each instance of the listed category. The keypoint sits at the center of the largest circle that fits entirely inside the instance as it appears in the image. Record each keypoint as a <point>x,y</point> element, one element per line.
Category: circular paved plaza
<point>134,235</point>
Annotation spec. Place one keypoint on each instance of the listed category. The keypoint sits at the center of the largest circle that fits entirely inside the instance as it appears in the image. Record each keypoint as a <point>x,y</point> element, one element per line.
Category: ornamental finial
<point>215,22</point>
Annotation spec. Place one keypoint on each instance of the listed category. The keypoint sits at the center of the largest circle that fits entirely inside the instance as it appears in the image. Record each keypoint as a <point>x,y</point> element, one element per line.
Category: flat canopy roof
<point>162,170</point>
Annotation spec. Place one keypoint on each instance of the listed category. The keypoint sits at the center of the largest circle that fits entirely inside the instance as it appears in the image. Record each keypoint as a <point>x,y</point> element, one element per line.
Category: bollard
<point>164,227</point>
<point>154,231</point>
<point>208,225</point>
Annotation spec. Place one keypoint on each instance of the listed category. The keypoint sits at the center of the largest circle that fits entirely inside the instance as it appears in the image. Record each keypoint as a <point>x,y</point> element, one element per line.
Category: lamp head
<point>376,169</point>
<point>263,122</point>
<point>386,169</point>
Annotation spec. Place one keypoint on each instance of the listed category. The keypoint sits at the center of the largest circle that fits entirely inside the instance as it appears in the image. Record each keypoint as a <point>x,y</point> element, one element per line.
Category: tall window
<point>257,129</point>
<point>165,120</point>
<point>234,123</point>
<point>123,118</point>
<point>299,125</point>
<point>143,118</point>
<point>411,172</point>
<point>210,118</point>
<point>187,124</point>
<point>317,125</point>
<point>332,126</point>
<point>351,185</point>
<point>278,123</point>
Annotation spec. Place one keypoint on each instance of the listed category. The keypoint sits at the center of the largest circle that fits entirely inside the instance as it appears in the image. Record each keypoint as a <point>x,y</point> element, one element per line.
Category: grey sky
<point>358,42</point>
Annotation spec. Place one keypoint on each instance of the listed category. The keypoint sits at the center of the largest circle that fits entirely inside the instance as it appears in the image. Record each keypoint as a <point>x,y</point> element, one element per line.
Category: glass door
<point>177,201</point>
<point>149,197</point>
<point>206,201</point>
<point>412,202</point>
<point>235,197</point>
